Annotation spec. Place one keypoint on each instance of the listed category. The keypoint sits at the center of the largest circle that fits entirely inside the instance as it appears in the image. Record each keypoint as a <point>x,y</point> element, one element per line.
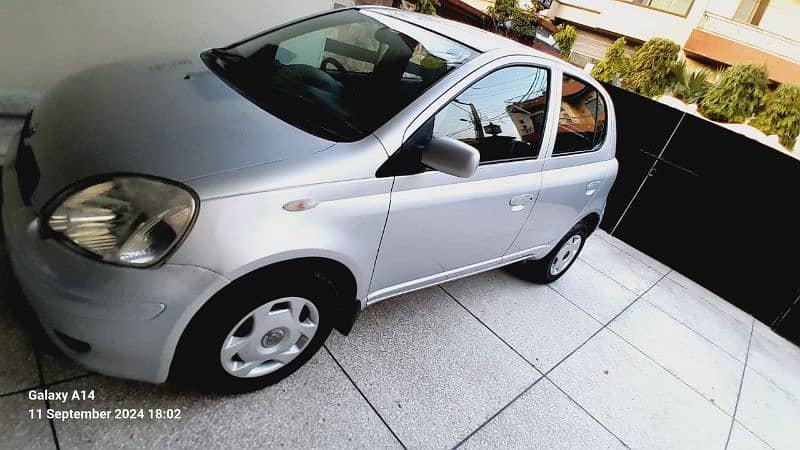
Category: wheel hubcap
<point>269,337</point>
<point>565,255</point>
<point>273,338</point>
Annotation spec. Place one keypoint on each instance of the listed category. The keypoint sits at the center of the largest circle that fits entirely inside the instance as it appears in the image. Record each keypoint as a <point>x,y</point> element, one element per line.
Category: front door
<point>441,226</point>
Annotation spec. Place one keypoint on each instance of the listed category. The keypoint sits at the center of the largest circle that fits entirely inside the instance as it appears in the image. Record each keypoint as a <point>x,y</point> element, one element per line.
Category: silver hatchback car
<point>213,217</point>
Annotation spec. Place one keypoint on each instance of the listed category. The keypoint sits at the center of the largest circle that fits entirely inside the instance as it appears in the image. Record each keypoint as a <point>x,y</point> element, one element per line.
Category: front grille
<point>25,165</point>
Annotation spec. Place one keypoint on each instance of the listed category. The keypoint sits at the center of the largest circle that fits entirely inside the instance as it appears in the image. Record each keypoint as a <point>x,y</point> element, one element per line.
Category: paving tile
<point>720,328</point>
<point>18,368</point>
<point>17,429</point>
<point>543,418</point>
<point>696,289</point>
<point>538,322</point>
<point>655,264</point>
<point>56,367</point>
<point>316,407</point>
<point>593,291</point>
<point>627,270</point>
<point>768,411</point>
<point>775,358</point>
<point>741,439</point>
<point>637,400</point>
<point>697,362</point>
<point>432,371</point>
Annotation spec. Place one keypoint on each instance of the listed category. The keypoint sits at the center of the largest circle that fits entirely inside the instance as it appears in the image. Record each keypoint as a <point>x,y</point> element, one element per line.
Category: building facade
<point>711,32</point>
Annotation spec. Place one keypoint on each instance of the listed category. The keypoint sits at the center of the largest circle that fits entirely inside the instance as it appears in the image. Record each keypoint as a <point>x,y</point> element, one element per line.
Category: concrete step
<point>5,141</point>
<point>10,126</point>
<point>17,102</point>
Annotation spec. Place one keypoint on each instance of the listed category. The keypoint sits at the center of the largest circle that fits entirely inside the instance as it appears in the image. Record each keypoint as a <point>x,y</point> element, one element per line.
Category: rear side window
<point>582,120</point>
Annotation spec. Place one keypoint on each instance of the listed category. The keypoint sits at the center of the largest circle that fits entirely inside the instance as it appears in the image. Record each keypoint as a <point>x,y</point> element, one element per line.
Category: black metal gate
<point>714,205</point>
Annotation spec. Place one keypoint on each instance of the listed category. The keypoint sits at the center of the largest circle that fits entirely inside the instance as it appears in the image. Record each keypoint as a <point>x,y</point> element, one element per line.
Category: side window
<point>502,115</point>
<point>582,121</point>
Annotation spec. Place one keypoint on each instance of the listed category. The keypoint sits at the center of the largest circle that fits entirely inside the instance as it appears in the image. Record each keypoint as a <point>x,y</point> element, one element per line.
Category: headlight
<point>126,220</point>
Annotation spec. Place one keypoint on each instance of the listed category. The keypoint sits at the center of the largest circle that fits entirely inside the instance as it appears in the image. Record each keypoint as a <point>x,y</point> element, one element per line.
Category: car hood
<point>167,116</point>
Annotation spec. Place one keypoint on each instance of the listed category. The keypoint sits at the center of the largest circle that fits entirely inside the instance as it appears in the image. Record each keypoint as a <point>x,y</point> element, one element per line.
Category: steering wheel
<point>336,64</point>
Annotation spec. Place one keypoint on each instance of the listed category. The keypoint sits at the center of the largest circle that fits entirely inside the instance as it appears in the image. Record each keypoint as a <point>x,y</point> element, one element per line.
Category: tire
<point>258,317</point>
<point>544,270</point>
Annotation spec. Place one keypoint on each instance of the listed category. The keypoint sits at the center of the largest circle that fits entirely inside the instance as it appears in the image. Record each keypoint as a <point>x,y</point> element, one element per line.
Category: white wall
<point>631,20</point>
<point>724,8</point>
<point>783,17</point>
<point>42,41</point>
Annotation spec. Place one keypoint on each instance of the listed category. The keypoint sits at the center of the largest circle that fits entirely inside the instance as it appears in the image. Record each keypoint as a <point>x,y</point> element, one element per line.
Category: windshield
<point>339,76</point>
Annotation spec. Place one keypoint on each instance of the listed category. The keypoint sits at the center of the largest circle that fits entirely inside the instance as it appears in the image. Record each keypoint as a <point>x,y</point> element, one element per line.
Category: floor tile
<point>627,270</point>
<point>18,430</point>
<point>637,400</point>
<point>538,322</point>
<point>699,291</point>
<point>18,368</point>
<point>593,291</point>
<point>655,264</point>
<point>432,371</point>
<point>720,328</point>
<point>56,367</point>
<point>777,359</point>
<point>316,407</point>
<point>697,362</point>
<point>543,418</point>
<point>741,439</point>
<point>768,411</point>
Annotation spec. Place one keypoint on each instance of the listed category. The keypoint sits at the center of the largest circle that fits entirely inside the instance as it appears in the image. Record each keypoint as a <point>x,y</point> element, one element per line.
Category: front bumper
<point>131,318</point>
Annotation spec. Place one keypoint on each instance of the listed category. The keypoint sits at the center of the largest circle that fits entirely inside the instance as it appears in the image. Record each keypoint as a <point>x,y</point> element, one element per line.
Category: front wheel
<point>255,334</point>
<point>558,261</point>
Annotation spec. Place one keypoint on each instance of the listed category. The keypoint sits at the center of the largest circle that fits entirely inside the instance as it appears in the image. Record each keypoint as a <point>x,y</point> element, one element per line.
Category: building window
<point>750,11</point>
<point>679,7</point>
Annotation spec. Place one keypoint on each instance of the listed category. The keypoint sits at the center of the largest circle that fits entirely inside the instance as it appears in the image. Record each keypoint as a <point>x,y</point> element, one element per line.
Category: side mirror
<point>451,156</point>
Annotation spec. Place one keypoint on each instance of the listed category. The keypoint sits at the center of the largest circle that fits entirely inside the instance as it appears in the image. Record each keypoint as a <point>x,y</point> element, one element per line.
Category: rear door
<point>576,172</point>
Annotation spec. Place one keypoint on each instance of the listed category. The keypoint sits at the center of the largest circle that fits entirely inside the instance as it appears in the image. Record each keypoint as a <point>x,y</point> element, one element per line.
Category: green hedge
<point>649,70</point>
<point>614,64</point>
<point>565,38</point>
<point>737,95</point>
<point>781,114</point>
<point>689,86</point>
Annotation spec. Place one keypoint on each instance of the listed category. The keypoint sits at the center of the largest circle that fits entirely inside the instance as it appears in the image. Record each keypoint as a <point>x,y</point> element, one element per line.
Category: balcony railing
<point>746,34</point>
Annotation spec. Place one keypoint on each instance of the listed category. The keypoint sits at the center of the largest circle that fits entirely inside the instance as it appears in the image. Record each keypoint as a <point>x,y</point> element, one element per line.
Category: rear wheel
<point>558,261</point>
<point>255,333</point>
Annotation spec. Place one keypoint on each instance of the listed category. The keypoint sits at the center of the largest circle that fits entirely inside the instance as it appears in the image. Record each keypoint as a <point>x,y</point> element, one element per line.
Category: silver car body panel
<point>165,116</point>
<point>394,234</point>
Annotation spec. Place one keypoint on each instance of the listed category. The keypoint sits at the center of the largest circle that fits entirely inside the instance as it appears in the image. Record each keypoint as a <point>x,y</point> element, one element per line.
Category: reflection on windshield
<point>339,76</point>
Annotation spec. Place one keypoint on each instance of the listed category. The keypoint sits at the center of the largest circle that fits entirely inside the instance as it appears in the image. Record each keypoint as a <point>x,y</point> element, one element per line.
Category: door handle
<point>521,202</point>
<point>591,188</point>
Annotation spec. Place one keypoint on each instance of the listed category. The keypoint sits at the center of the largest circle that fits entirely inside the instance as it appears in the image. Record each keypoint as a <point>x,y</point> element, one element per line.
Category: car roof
<point>476,38</point>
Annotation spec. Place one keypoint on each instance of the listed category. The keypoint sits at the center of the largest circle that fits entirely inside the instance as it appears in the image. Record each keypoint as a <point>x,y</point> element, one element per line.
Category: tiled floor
<point>621,352</point>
